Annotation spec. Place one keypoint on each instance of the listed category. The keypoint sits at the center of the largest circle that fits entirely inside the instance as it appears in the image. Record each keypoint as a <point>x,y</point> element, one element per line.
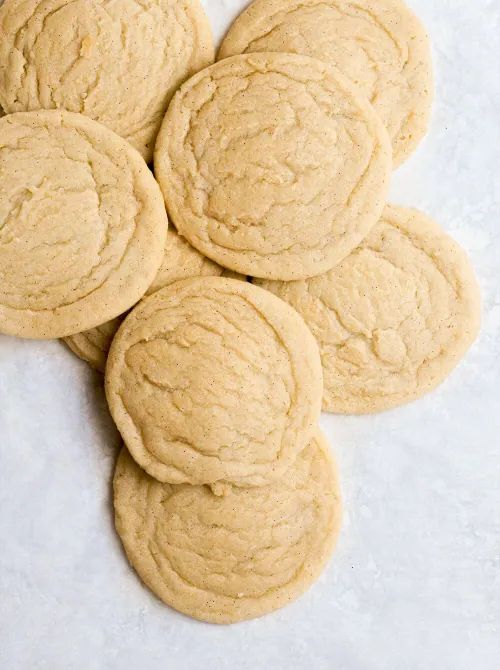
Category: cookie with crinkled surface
<point>82,224</point>
<point>180,261</point>
<point>214,380</point>
<point>93,345</point>
<point>273,165</point>
<point>381,46</point>
<point>118,62</point>
<point>394,318</point>
<point>228,558</point>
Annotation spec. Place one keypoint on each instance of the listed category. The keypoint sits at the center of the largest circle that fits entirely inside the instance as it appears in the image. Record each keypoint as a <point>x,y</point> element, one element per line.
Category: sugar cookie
<point>235,557</point>
<point>272,165</point>
<point>118,62</point>
<point>93,345</point>
<point>394,318</point>
<point>381,46</point>
<point>214,380</point>
<point>82,224</point>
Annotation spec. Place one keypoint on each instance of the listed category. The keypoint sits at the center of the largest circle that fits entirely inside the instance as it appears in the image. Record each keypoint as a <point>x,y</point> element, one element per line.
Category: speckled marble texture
<point>415,583</point>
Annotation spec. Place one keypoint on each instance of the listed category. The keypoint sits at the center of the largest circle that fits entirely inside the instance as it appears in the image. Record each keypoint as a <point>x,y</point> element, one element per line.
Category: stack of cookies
<point>285,285</point>
<point>215,386</point>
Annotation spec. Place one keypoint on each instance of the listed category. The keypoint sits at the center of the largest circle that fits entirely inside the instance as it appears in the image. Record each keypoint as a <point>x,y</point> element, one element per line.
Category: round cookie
<point>394,318</point>
<point>93,345</point>
<point>381,46</point>
<point>180,261</point>
<point>235,557</point>
<point>82,224</point>
<point>214,380</point>
<point>117,62</point>
<point>272,165</point>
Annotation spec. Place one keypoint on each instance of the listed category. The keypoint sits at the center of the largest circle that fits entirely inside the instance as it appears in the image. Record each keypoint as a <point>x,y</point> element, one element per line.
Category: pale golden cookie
<point>93,345</point>
<point>118,62</point>
<point>380,45</point>
<point>214,380</point>
<point>180,261</point>
<point>394,318</point>
<point>82,224</point>
<point>235,557</point>
<point>272,165</point>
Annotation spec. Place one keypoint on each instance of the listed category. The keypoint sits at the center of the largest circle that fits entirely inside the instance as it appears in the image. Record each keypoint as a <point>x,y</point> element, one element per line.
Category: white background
<point>415,582</point>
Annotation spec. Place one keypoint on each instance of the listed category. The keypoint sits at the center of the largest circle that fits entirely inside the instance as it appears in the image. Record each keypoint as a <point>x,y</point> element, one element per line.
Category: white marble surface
<point>415,583</point>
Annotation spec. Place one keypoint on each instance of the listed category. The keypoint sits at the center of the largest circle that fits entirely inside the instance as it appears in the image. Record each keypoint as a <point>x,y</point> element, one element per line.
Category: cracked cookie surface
<point>82,224</point>
<point>272,165</point>
<point>214,380</point>
<point>117,62</point>
<point>394,318</point>
<point>228,558</point>
<point>180,261</point>
<point>381,46</point>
